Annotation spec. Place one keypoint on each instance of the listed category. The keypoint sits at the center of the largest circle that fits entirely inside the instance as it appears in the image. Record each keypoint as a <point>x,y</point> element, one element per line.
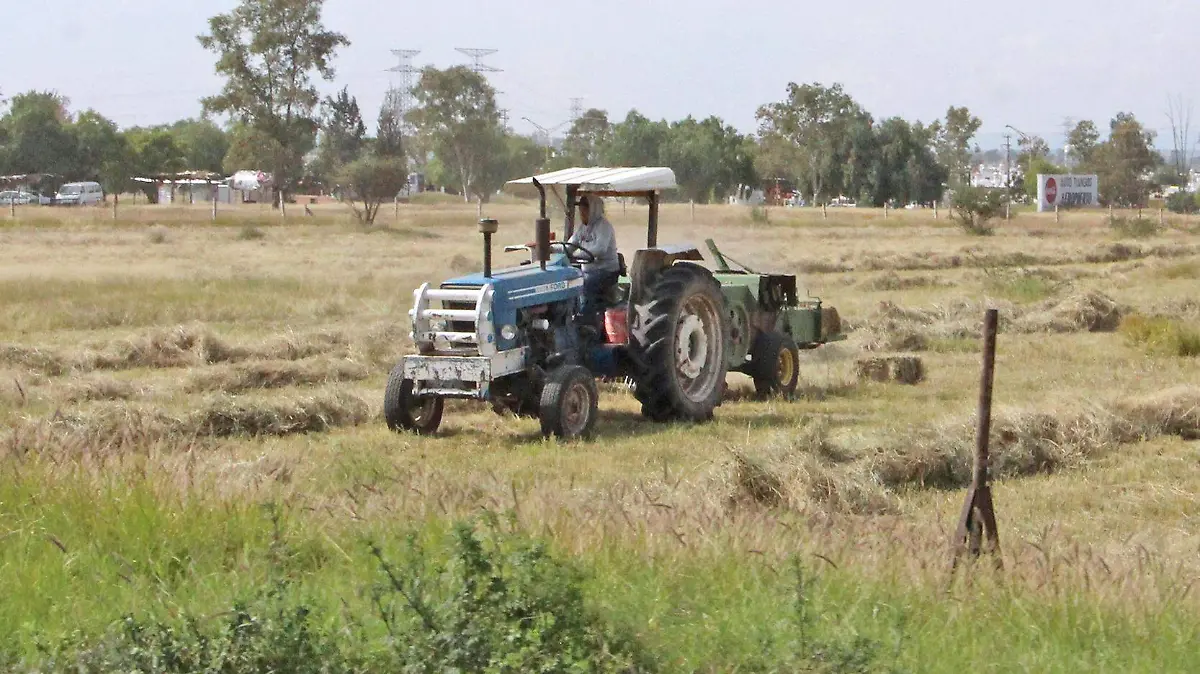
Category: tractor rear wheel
<point>681,338</point>
<point>569,404</point>
<point>775,364</point>
<point>405,412</point>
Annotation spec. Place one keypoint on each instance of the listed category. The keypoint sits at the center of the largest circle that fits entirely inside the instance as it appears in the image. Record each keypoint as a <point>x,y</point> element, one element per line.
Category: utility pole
<point>1007,174</point>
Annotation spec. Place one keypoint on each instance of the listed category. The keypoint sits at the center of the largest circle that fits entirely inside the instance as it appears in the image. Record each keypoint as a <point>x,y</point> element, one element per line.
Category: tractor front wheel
<point>681,338</point>
<point>775,364</point>
<point>569,404</point>
<point>405,412</point>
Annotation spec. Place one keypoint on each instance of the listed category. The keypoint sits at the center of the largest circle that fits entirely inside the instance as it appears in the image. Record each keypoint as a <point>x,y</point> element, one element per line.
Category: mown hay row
<point>896,328</point>
<point>805,466</point>
<point>195,345</point>
<point>128,427</point>
<point>973,258</point>
<point>274,374</point>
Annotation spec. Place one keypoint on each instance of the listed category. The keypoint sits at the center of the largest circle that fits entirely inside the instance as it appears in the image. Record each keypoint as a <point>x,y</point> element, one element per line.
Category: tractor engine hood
<point>528,285</point>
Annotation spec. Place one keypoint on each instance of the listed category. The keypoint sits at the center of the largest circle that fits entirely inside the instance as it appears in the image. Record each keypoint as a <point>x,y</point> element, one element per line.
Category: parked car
<point>79,194</point>
<point>23,198</point>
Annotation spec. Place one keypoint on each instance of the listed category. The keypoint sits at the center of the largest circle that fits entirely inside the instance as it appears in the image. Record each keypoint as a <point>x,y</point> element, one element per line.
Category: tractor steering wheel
<point>569,246</point>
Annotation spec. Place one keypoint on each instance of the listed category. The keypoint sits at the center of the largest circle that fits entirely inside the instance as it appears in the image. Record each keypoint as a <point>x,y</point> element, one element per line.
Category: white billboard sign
<point>1067,191</point>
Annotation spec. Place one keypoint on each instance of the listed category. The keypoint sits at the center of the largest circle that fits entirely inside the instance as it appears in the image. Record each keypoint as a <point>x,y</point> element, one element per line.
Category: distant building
<point>990,176</point>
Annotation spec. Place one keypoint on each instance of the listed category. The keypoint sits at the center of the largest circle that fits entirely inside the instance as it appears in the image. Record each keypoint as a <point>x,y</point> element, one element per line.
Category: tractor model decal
<point>555,287</point>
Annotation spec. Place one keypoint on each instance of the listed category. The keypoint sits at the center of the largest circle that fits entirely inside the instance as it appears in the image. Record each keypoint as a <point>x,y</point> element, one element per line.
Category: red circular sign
<point>1051,190</point>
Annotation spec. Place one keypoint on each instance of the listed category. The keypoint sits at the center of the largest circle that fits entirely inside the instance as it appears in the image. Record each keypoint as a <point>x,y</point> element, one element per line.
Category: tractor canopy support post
<point>572,198</point>
<point>652,228</point>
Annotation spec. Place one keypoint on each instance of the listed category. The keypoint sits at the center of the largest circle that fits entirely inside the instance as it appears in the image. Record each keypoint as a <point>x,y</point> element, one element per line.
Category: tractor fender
<point>649,262</point>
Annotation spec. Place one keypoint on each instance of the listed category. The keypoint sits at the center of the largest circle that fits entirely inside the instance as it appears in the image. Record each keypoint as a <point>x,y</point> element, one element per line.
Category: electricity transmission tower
<point>576,108</point>
<point>400,98</point>
<point>476,56</point>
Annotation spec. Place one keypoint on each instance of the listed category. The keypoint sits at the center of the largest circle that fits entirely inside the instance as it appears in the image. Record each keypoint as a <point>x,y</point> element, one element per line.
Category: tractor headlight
<point>508,332</point>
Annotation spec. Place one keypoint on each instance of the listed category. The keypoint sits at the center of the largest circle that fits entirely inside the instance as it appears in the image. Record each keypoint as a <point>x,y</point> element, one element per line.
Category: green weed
<point>1161,335</point>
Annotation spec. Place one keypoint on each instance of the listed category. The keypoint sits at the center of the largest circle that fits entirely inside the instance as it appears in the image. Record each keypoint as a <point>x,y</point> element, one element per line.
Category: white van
<point>79,194</point>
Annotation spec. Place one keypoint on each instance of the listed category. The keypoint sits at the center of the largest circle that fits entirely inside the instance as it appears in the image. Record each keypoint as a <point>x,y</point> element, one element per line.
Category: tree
<point>1083,141</point>
<point>380,174</point>
<point>587,139</point>
<point>203,144</point>
<point>1030,171</point>
<point>457,115</point>
<point>801,135</point>
<point>1124,162</point>
<point>343,135</point>
<point>249,149</point>
<point>1180,117</point>
<point>953,142</point>
<point>896,164</point>
<point>267,51</point>
<point>974,208</point>
<point>97,142</point>
<point>153,151</point>
<point>636,141</point>
<point>39,138</point>
<point>116,170</point>
<point>1183,202</point>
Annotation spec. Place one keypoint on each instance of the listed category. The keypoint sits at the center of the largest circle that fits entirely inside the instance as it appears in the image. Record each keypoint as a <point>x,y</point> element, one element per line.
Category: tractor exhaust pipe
<point>488,227</point>
<point>541,230</point>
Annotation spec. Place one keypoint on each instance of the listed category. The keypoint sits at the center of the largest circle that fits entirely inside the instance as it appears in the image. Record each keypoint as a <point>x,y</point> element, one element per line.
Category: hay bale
<point>871,369</point>
<point>273,374</point>
<point>1080,312</point>
<point>908,370</point>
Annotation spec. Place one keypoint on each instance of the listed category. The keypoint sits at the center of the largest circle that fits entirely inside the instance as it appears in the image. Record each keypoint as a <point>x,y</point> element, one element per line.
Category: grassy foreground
<point>194,475</point>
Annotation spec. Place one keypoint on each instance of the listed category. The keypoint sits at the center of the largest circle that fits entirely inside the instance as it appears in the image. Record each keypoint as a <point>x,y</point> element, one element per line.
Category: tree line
<point>817,140</point>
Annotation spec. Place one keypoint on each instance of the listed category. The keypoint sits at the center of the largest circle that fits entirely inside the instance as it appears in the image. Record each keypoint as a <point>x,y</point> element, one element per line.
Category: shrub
<point>1159,334</point>
<point>1183,202</point>
<point>251,233</point>
<point>974,208</point>
<point>1136,227</point>
<point>503,604</point>
<point>759,214</point>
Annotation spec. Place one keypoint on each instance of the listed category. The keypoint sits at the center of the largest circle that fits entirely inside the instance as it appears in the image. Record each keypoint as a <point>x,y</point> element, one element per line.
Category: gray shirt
<point>599,238</point>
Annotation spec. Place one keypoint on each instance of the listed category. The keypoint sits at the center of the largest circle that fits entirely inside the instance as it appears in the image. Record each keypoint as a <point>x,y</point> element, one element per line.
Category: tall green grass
<point>102,573</point>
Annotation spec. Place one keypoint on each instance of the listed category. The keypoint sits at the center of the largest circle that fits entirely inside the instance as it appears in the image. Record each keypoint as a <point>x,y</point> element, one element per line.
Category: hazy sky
<point>1028,63</point>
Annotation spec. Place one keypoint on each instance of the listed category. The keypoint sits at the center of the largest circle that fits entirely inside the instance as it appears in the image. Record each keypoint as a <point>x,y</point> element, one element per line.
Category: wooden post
<point>116,198</point>
<point>479,207</point>
<point>216,194</point>
<point>1160,217</point>
<point>396,205</point>
<point>1056,219</point>
<point>935,205</point>
<point>978,519</point>
<point>824,213</point>
<point>692,202</point>
<point>12,206</point>
<point>282,205</point>
<point>885,210</point>
<point>1110,213</point>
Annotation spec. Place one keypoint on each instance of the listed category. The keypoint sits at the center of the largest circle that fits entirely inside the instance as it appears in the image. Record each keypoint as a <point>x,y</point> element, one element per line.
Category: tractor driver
<point>595,234</point>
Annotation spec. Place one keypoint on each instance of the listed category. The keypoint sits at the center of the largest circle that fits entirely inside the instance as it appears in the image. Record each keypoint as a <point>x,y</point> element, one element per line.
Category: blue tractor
<point>513,337</point>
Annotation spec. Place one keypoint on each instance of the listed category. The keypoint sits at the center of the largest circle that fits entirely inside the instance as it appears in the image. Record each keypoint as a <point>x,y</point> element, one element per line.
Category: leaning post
<point>978,519</point>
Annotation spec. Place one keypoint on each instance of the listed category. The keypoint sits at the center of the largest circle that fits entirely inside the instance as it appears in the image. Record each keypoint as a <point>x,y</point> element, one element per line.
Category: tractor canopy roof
<point>616,182</point>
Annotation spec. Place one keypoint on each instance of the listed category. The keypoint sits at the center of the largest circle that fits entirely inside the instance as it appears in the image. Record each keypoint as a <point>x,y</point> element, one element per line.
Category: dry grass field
<point>191,411</point>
